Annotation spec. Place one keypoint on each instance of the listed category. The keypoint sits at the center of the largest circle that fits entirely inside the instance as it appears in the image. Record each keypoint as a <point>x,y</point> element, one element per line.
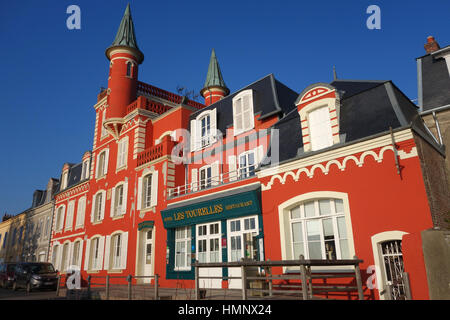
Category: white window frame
<point>122,153</point>
<point>199,141</point>
<point>81,212</point>
<point>100,171</point>
<point>286,231</point>
<point>98,212</point>
<point>316,132</point>
<point>186,242</point>
<point>64,180</point>
<point>208,236</point>
<point>244,171</point>
<point>85,169</point>
<point>70,215</point>
<point>60,215</point>
<point>115,212</point>
<point>142,202</point>
<point>239,99</point>
<point>207,182</point>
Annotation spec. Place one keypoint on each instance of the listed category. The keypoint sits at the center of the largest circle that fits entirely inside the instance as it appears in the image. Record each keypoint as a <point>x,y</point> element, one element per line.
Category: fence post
<point>358,280</point>
<point>107,287</point>
<point>244,281</point>
<point>89,287</point>
<point>156,287</point>
<point>57,286</point>
<point>303,277</point>
<point>197,282</point>
<point>129,286</point>
<point>269,269</point>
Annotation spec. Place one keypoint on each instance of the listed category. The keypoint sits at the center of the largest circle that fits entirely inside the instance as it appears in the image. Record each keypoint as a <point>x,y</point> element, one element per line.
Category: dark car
<point>6,274</point>
<point>35,275</point>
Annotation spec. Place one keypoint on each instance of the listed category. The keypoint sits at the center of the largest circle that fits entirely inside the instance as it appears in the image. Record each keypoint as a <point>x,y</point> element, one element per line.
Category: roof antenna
<point>334,73</point>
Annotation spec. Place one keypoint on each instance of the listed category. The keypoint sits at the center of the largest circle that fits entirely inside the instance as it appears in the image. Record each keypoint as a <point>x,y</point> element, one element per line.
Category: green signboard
<point>233,206</point>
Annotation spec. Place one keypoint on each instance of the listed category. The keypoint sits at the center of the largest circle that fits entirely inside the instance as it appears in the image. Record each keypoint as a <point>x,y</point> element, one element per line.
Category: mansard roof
<point>271,97</point>
<point>367,109</point>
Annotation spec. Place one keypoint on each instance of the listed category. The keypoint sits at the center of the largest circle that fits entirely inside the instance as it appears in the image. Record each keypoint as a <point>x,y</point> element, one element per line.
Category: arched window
<point>129,68</point>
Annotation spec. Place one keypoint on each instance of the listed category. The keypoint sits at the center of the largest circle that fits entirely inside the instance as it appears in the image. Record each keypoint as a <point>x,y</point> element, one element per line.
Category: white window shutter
<point>96,166</point>
<point>92,208</point>
<point>215,174</point>
<point>59,257</point>
<point>80,254</point>
<point>154,195</point>
<point>101,248</point>
<point>107,252</point>
<point>237,115</point>
<point>232,175</point>
<point>69,256</point>
<point>125,197</point>
<point>213,125</point>
<point>106,161</point>
<point>139,195</point>
<point>125,151</point>
<point>102,209</point>
<point>193,135</point>
<point>113,197</point>
<point>87,255</point>
<point>194,179</point>
<point>123,252</point>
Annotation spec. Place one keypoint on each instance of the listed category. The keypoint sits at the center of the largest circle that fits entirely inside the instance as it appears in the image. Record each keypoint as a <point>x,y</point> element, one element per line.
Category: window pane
<point>345,253</point>
<point>328,228</point>
<point>297,232</point>
<point>324,207</point>
<point>309,209</point>
<point>298,250</point>
<point>315,252</point>
<point>313,230</point>
<point>295,213</point>
<point>341,227</point>
<point>339,205</point>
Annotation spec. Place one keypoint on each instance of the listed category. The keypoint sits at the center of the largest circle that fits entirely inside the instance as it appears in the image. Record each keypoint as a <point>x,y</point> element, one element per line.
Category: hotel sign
<point>237,205</point>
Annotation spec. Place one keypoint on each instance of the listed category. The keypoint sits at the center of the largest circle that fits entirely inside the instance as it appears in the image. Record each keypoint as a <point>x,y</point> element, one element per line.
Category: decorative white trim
<point>376,239</point>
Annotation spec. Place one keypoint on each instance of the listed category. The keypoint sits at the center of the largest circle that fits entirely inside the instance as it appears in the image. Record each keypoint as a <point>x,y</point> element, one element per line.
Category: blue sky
<point>50,75</point>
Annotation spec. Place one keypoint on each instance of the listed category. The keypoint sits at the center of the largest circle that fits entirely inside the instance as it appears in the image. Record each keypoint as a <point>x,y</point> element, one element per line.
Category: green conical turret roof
<point>214,77</point>
<point>125,36</point>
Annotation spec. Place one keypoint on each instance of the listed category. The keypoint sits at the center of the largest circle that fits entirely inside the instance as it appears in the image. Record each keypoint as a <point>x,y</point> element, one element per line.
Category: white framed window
<point>119,199</point>
<point>55,253</point>
<point>208,242</point>
<point>243,116</point>
<point>98,206</point>
<point>94,253</point>
<point>76,253</point>
<point>319,124</point>
<point>122,153</point>
<point>148,190</point>
<point>59,223</point>
<point>65,257</point>
<point>81,211</point>
<point>116,251</point>
<point>85,170</point>
<point>242,233</point>
<point>205,175</point>
<point>102,163</point>
<point>70,212</point>
<point>183,248</point>
<point>64,180</point>
<point>247,164</point>
<point>318,230</point>
<point>204,130</point>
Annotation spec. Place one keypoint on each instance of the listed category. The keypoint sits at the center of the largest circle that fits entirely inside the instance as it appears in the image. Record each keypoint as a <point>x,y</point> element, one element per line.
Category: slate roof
<point>435,82</point>
<point>368,109</point>
<point>271,97</point>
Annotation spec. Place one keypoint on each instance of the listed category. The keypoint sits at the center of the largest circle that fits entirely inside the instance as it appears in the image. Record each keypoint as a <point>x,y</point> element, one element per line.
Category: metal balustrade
<point>213,181</point>
<point>273,283</point>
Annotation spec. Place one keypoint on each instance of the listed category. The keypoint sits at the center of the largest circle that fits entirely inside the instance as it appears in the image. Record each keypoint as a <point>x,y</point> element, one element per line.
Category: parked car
<point>35,275</point>
<point>6,274</point>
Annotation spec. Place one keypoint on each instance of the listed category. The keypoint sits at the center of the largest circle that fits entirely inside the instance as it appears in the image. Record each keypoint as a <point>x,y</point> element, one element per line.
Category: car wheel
<point>29,288</point>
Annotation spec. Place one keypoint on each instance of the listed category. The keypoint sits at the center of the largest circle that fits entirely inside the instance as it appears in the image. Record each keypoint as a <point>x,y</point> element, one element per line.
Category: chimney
<point>431,45</point>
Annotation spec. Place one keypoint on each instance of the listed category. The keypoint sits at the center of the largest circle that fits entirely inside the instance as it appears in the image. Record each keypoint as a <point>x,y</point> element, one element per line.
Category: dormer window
<point>85,170</point>
<point>243,119</point>
<point>320,128</point>
<point>203,130</point>
<point>64,180</point>
<point>318,107</point>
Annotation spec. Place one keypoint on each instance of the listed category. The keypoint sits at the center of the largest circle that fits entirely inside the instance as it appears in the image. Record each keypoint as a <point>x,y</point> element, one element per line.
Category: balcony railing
<point>213,181</point>
<point>166,95</point>
<point>146,104</point>
<point>155,152</point>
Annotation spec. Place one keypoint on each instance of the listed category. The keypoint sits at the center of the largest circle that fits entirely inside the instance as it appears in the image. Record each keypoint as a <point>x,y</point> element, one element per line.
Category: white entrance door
<point>242,234</point>
<point>209,250</point>
<point>147,254</point>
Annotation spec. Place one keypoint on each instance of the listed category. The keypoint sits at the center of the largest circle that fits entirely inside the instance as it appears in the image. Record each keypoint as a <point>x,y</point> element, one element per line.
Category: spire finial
<point>334,73</point>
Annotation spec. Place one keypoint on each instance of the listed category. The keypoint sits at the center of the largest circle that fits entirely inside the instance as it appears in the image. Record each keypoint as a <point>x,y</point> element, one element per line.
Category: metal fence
<point>272,286</point>
<point>112,287</point>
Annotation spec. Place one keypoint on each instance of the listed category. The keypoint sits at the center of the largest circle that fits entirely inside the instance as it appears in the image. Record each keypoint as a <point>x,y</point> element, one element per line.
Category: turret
<point>214,88</point>
<point>125,57</point>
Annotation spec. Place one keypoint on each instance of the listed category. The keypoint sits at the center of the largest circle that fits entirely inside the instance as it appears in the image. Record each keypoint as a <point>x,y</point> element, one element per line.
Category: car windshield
<point>41,268</point>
